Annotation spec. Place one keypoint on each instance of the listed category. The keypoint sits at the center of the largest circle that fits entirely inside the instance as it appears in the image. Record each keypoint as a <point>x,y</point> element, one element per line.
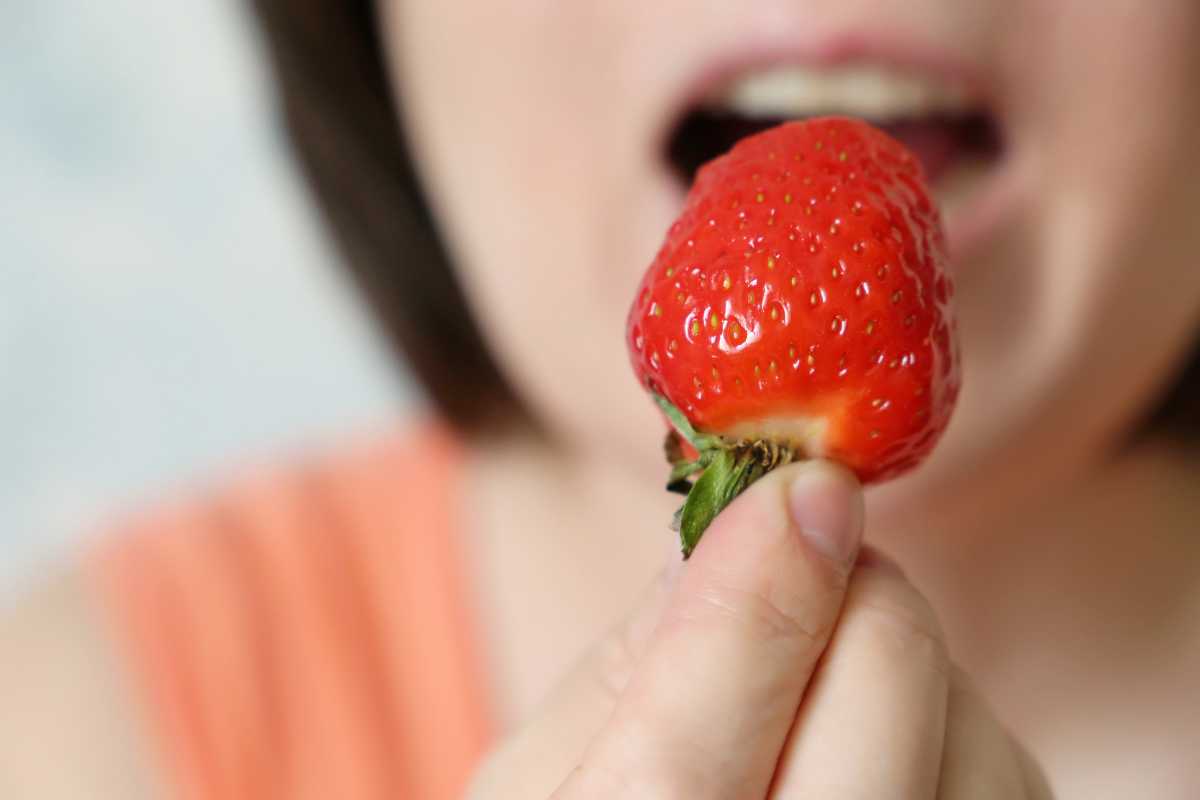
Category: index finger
<point>708,708</point>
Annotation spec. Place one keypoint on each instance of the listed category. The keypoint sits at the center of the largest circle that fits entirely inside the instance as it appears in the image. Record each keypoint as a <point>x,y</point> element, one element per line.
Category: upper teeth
<point>857,90</point>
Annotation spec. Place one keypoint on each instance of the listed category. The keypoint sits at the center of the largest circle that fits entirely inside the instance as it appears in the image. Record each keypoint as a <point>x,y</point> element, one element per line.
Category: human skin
<point>775,665</point>
<point>1061,562</point>
<point>1077,297</point>
<point>547,174</point>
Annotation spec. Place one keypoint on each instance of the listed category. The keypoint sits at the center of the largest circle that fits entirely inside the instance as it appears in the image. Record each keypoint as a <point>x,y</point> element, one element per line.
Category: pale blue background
<point>168,306</point>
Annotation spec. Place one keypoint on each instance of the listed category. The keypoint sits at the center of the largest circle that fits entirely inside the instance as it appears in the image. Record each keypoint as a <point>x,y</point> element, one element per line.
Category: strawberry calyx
<point>726,469</point>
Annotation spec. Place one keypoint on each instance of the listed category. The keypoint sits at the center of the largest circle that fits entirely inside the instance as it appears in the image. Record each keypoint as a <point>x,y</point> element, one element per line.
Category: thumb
<point>708,704</point>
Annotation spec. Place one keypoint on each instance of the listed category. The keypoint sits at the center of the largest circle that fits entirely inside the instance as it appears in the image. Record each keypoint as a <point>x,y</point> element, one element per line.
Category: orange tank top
<point>306,635</point>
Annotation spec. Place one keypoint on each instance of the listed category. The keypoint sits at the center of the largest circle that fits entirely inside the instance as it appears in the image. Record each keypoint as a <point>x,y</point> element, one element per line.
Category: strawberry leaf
<point>705,500</point>
<point>727,475</point>
<point>686,469</point>
<point>700,441</point>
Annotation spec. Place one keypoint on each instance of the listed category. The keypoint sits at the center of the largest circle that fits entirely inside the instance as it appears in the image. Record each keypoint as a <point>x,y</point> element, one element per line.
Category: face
<point>556,140</point>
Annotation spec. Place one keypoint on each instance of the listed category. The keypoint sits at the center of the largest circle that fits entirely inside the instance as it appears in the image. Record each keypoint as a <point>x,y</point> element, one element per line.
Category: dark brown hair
<point>344,127</point>
<point>344,124</point>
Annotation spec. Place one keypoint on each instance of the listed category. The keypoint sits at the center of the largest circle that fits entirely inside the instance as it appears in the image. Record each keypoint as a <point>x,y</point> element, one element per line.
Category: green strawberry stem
<point>727,469</point>
<point>700,441</point>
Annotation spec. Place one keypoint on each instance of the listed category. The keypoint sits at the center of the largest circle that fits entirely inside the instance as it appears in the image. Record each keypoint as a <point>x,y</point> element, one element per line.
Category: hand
<point>770,665</point>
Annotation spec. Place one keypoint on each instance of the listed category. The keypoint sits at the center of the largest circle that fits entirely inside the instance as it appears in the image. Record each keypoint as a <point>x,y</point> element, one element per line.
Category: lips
<point>950,128</point>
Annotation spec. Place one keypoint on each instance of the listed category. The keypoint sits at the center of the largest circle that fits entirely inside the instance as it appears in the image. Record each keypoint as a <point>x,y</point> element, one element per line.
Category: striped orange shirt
<point>306,634</point>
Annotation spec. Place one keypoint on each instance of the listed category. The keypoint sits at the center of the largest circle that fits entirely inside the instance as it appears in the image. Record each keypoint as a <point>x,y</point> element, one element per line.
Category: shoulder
<point>279,541</point>
<point>66,701</point>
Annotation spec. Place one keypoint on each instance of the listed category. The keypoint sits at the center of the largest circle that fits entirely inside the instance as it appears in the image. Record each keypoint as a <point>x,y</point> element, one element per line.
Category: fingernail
<point>826,505</point>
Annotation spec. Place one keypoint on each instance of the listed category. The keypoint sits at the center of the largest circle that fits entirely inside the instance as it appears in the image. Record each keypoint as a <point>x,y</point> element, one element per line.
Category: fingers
<point>980,760</point>
<point>539,758</point>
<point>708,707</point>
<point>873,721</point>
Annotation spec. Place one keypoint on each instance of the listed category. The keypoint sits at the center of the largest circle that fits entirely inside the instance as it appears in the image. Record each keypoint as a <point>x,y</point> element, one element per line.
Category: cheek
<point>545,187</point>
<point>1117,289</point>
<point>1073,321</point>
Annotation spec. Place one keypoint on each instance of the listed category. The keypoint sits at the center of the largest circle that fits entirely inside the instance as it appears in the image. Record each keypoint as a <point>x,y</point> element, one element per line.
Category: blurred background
<point>167,304</point>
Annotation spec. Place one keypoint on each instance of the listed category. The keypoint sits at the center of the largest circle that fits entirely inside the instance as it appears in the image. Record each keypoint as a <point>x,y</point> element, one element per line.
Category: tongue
<point>936,144</point>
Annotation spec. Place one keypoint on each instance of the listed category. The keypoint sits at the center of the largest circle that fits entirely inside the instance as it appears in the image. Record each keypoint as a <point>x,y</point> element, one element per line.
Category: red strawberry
<point>800,307</point>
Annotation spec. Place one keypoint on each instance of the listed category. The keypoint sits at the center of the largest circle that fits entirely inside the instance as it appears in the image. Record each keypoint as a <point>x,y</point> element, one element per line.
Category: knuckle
<point>767,614</point>
<point>614,661</point>
<point>792,607</point>
<point>899,620</point>
<point>491,775</point>
<point>592,780</point>
<point>637,782</point>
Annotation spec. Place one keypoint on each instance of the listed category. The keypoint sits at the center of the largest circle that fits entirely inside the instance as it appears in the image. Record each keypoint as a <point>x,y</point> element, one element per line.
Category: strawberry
<point>800,307</point>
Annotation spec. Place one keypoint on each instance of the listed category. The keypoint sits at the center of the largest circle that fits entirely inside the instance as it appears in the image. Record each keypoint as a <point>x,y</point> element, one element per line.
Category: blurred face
<point>557,139</point>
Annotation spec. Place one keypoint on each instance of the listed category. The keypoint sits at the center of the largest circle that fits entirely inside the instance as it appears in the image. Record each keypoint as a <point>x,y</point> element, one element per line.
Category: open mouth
<point>956,137</point>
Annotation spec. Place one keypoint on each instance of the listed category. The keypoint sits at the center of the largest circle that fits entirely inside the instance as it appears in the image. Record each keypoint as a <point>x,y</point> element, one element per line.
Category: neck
<point>1082,595</point>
